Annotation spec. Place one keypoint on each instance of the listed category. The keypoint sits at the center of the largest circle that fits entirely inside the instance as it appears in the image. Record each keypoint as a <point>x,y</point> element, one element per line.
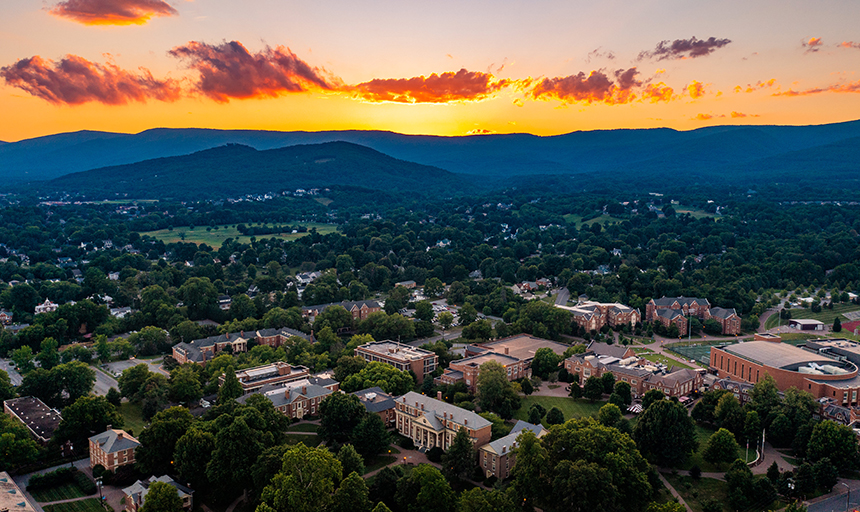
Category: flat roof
<point>806,321</point>
<point>38,417</point>
<point>11,497</point>
<point>394,349</point>
<point>777,355</point>
<point>480,359</point>
<point>524,346</point>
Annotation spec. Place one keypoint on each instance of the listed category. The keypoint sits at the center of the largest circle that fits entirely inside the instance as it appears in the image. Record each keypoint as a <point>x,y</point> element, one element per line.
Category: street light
<point>848,496</point>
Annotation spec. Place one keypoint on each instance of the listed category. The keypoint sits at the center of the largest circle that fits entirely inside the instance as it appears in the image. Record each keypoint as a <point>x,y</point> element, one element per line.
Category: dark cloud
<point>813,45</point>
<point>595,87</point>
<point>597,54</point>
<point>74,80</point>
<point>684,48</point>
<point>463,85</point>
<point>229,70</point>
<point>112,12</point>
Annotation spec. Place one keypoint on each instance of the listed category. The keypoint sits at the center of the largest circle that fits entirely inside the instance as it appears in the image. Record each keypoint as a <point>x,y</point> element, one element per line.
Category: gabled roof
<point>669,314</point>
<point>375,399</point>
<point>114,440</point>
<point>434,408</point>
<point>347,305</point>
<point>683,301</point>
<point>671,379</point>
<point>507,443</point>
<point>604,349</point>
<point>723,313</point>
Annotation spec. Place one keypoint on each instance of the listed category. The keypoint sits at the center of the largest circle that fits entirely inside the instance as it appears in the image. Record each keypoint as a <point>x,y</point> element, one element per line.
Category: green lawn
<point>216,237</point>
<point>695,492</point>
<point>698,459</point>
<point>826,316</point>
<point>87,505</point>
<point>657,358</point>
<point>62,492</point>
<point>696,214</point>
<point>304,427</point>
<point>571,218</point>
<point>308,439</point>
<point>569,407</point>
<point>132,415</point>
<point>379,462</point>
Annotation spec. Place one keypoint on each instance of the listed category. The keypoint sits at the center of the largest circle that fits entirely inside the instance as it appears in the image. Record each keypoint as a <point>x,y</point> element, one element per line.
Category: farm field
<point>215,237</point>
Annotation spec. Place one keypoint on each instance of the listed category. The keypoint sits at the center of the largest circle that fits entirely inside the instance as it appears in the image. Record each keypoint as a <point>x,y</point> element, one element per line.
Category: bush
<point>435,454</point>
<point>478,475</point>
<point>98,471</point>
<point>407,444</point>
<point>60,477</point>
<point>84,483</point>
<point>695,472</point>
<point>491,481</point>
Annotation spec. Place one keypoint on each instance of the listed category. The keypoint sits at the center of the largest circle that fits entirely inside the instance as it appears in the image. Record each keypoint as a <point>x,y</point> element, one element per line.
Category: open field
<point>304,427</point>
<point>826,315</point>
<point>569,407</point>
<point>657,358</point>
<point>696,214</point>
<point>571,218</point>
<point>698,459</point>
<point>87,505</point>
<point>310,440</point>
<point>215,237</point>
<point>66,491</point>
<point>132,415</point>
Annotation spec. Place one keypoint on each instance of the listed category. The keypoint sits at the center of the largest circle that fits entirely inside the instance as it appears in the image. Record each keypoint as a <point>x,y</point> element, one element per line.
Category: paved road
<point>838,501</point>
<point>14,376</point>
<point>562,297</point>
<point>103,382</point>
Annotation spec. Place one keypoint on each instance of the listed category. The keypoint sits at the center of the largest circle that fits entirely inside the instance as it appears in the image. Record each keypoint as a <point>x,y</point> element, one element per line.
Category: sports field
<point>215,237</point>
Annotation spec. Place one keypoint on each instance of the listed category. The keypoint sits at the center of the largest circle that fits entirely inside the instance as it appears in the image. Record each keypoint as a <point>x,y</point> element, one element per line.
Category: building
<point>626,366</point>
<point>377,401</point>
<point>359,309</point>
<point>12,499</point>
<point>467,369</point>
<point>46,307</point>
<point>112,448</point>
<point>407,284</point>
<point>592,316</point>
<point>497,458</point>
<point>520,346</point>
<point>431,422</point>
<point>822,369</point>
<point>202,350</point>
<point>39,419</point>
<point>277,373</point>
<point>806,324</point>
<point>674,310</point>
<point>135,495</point>
<point>401,356</point>
<point>297,399</point>
<point>5,317</point>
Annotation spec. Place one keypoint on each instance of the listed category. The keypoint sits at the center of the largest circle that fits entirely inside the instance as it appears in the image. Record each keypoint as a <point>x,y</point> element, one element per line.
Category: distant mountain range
<point>803,156</point>
<point>234,170</point>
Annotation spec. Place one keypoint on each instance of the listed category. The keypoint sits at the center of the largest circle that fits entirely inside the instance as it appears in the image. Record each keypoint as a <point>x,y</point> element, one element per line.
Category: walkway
<point>674,492</point>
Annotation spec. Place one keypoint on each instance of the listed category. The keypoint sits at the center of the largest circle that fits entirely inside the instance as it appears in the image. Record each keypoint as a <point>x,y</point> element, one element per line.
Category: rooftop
<point>258,373</point>
<point>480,359</point>
<point>777,355</point>
<point>509,442</point>
<point>438,407</point>
<point>524,346</point>
<point>395,349</point>
<point>114,440</point>
<point>375,399</point>
<point>38,417</point>
<point>11,497</point>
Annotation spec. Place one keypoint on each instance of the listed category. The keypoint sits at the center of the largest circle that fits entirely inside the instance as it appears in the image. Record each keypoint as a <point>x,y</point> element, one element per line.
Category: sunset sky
<point>442,67</point>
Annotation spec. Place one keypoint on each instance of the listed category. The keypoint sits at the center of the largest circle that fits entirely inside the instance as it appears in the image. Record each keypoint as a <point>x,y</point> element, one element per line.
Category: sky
<point>442,68</point>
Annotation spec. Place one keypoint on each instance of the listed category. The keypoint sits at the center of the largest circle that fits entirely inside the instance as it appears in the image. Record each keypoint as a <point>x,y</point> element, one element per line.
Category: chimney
<point>119,435</point>
<point>438,395</point>
<point>242,333</point>
<point>507,350</point>
<point>422,407</point>
<point>504,448</point>
<point>465,422</point>
<point>108,427</point>
<point>304,390</point>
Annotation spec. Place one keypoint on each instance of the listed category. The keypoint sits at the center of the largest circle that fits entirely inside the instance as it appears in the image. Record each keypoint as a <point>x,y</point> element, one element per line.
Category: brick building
<point>674,310</point>
<point>497,458</point>
<point>297,399</point>
<point>401,356</point>
<point>135,494</point>
<point>359,309</point>
<point>112,448</point>
<point>592,316</point>
<point>431,422</point>
<point>202,350</point>
<point>277,373</point>
<point>378,402</point>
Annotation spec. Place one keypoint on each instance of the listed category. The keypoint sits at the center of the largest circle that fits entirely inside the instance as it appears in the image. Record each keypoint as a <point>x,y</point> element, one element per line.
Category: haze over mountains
<point>800,155</point>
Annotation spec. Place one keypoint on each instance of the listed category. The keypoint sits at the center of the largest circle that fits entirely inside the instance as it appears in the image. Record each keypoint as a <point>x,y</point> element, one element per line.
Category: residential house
<point>498,457</point>
<point>406,284</point>
<point>135,494</point>
<point>112,448</point>
<point>431,422</point>
<point>46,307</point>
<point>5,317</point>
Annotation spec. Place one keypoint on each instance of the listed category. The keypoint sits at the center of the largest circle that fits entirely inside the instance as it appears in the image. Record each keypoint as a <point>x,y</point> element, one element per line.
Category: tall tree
<point>17,447</point>
<point>545,362</point>
<point>184,385</point>
<point>236,449</point>
<point>305,483</point>
<point>664,420</point>
<point>87,416</point>
<point>482,500</point>
<point>231,389</point>
<point>340,413</point>
<point>593,389</point>
<point>161,497</point>
<point>155,455</point>
<point>7,390</point>
<point>351,495</point>
<point>350,460</point>
<point>495,392</point>
<point>193,450</point>
<point>48,357</point>
<point>722,447</point>
<point>370,437</point>
<point>529,483</point>
<point>835,441</point>
<point>458,462</point>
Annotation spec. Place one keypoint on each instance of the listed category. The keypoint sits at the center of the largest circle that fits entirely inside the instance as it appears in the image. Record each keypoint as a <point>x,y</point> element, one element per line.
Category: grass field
<point>696,214</point>
<point>657,358</point>
<point>304,427</point>
<point>87,505</point>
<point>216,237</point>
<point>379,462</point>
<point>62,492</point>
<point>571,218</point>
<point>698,459</point>
<point>310,440</point>
<point>695,492</point>
<point>826,315</point>
<point>132,416</point>
<point>569,407</point>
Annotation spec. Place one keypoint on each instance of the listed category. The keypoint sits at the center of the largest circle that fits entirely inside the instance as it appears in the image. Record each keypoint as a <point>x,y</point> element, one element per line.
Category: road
<point>562,297</point>
<point>14,376</point>
<point>103,382</point>
<point>839,501</point>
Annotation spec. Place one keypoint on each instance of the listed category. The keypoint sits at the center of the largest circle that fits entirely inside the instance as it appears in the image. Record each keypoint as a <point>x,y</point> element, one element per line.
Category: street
<point>14,376</point>
<point>103,382</point>
<point>838,502</point>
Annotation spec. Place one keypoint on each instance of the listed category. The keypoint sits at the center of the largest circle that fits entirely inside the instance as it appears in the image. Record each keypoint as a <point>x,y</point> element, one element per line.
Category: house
<point>135,494</point>
<point>39,419</point>
<point>113,276</point>
<point>431,422</point>
<point>12,498</point>
<point>674,310</point>
<point>378,402</point>
<point>120,312</point>
<point>359,309</point>
<point>297,399</point>
<point>46,307</point>
<point>306,278</point>
<point>224,302</point>
<point>406,284</point>
<point>112,448</point>
<point>5,317</point>
<point>497,458</point>
<point>401,356</point>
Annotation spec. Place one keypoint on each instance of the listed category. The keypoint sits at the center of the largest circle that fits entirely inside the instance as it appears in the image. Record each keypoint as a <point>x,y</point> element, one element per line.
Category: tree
<point>236,450</point>
<point>23,359</point>
<point>158,440</point>
<point>752,427</point>
<point>721,447</point>
<point>826,474</point>
<point>231,389</point>
<point>458,462</point>
<point>764,397</point>
<point>545,362</point>
<point>193,451</point>
<point>535,415</point>
<point>17,447</point>
<point>199,296</point>
<point>350,460</point>
<point>433,494</point>
<point>622,389</point>
<point>554,416</point>
<point>593,388</point>
<point>370,436</point>
<point>184,385</point>
<point>495,392</point>
<point>838,442</point>
<point>661,421</point>
<point>75,378</point>
<point>433,287</point>
<point>43,385</point>
<point>837,325</point>
<point>609,415</point>
<point>575,390</point>
<point>161,497</point>
<point>87,416</point>
<point>651,396</point>
<point>351,495</point>
<point>424,311</point>
<point>305,483</point>
<point>7,390</point>
<point>377,374</point>
<point>467,314</point>
<point>114,397</point>
<point>528,475</point>
<point>526,387</point>
<point>340,413</point>
<point>446,319</point>
<point>608,380</point>
<point>48,357</point>
<point>482,500</point>
<point>348,365</point>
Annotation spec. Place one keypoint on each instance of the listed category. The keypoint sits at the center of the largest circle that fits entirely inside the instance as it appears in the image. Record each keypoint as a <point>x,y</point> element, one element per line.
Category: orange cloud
<point>705,117</point>
<point>849,44</point>
<point>757,86</point>
<point>74,80</point>
<point>112,12</point>
<point>657,92</point>
<point>696,89</point>
<point>684,48</point>
<point>596,87</point>
<point>463,85</point>
<point>813,45</point>
<point>479,131</point>
<point>848,87</point>
<point>229,70</point>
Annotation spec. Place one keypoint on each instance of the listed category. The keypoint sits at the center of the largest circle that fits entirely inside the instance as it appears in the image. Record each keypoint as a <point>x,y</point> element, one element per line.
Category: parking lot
<point>14,376</point>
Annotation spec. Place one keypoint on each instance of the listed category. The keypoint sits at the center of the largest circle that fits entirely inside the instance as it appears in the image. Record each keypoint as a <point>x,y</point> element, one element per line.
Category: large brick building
<point>592,316</point>
<point>277,373</point>
<point>675,310</point>
<point>202,350</point>
<point>401,356</point>
<point>378,402</point>
<point>359,309</point>
<point>112,448</point>
<point>297,399</point>
<point>497,458</point>
<point>431,422</point>
<point>39,419</point>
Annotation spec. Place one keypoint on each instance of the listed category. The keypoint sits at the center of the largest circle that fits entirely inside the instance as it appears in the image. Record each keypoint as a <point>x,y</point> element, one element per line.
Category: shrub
<point>98,471</point>
<point>407,444</point>
<point>435,454</point>
<point>491,481</point>
<point>695,472</point>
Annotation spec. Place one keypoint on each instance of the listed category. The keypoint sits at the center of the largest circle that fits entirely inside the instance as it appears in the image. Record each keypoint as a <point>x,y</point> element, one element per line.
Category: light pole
<point>848,496</point>
<point>99,485</point>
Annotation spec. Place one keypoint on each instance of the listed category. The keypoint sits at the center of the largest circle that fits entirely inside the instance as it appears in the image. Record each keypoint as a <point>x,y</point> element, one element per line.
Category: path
<point>411,457</point>
<point>674,492</point>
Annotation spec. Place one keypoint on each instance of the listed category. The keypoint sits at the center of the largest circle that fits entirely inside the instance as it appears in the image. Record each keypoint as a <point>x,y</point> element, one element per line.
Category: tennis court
<point>699,352</point>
